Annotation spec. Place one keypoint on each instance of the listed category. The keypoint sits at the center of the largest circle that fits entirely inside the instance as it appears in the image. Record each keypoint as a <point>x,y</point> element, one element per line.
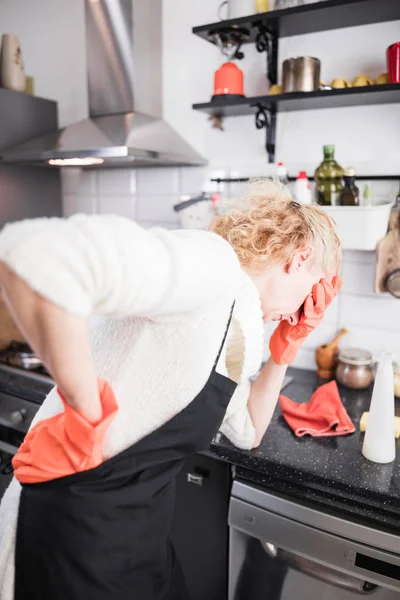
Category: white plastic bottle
<point>281,173</point>
<point>379,441</point>
<point>302,189</point>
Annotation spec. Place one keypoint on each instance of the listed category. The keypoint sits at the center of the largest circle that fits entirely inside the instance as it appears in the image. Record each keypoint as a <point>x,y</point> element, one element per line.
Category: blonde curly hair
<point>270,227</point>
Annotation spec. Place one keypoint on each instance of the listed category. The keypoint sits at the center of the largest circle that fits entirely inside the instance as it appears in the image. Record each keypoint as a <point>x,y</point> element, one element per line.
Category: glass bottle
<point>350,194</point>
<point>328,177</point>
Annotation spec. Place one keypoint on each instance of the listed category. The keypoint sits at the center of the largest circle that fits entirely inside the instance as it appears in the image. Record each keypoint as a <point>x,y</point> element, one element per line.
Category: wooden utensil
<point>388,252</point>
<point>326,356</point>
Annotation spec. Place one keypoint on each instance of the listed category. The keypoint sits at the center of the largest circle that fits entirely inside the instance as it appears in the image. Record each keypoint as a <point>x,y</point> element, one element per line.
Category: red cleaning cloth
<point>324,415</point>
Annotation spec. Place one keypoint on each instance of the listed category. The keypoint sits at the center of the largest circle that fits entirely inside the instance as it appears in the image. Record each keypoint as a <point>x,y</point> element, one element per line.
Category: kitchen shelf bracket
<point>268,42</point>
<point>266,118</point>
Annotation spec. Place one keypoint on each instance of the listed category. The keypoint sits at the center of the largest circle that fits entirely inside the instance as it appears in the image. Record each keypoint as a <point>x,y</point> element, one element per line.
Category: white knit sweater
<point>161,300</point>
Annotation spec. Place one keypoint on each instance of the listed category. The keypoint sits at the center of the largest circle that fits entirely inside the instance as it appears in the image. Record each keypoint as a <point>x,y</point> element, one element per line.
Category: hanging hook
<point>262,117</point>
<point>266,41</point>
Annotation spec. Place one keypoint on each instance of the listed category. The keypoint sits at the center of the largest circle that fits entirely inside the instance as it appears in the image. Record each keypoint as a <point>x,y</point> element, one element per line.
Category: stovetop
<point>31,385</point>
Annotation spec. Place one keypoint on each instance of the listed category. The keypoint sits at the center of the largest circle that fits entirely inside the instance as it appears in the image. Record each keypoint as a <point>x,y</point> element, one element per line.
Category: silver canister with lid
<point>301,74</point>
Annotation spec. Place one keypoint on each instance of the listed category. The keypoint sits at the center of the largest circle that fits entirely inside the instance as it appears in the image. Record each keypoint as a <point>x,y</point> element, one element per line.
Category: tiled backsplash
<point>148,196</point>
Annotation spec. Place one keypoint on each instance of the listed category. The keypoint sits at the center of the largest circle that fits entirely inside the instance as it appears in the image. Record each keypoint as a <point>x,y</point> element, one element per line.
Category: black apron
<point>103,534</point>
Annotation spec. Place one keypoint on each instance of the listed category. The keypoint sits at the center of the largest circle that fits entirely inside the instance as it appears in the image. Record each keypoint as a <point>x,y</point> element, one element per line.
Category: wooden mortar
<point>326,356</point>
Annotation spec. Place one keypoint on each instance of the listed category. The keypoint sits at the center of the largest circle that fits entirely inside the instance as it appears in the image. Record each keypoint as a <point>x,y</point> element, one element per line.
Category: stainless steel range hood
<point>125,125</point>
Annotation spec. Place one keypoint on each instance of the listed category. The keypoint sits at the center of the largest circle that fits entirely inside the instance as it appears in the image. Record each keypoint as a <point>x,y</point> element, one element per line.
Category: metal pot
<point>301,74</point>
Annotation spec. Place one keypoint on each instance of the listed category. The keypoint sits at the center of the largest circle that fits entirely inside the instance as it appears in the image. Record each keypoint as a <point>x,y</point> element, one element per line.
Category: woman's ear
<point>300,259</point>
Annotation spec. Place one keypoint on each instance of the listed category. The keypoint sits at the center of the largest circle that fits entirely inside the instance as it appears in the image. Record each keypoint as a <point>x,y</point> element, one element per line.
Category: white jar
<point>302,189</point>
<point>12,64</point>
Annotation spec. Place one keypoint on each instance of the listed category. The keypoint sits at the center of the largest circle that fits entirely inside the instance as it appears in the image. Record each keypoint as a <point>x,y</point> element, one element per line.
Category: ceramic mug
<point>381,79</point>
<point>340,83</point>
<point>236,9</point>
<point>393,62</point>
<point>362,80</point>
<point>275,89</point>
<point>264,6</point>
<point>12,64</point>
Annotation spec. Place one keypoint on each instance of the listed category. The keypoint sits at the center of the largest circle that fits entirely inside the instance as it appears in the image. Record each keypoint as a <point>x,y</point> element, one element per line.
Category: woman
<point>97,467</point>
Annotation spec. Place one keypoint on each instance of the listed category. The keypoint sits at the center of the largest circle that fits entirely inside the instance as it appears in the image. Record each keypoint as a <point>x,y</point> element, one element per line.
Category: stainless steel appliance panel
<point>278,557</point>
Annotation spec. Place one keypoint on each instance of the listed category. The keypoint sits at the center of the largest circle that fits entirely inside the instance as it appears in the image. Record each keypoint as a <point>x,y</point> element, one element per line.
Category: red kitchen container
<point>393,62</point>
<point>228,80</point>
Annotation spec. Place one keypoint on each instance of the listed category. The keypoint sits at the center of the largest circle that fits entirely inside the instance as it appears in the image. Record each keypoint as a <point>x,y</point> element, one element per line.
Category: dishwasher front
<point>282,550</point>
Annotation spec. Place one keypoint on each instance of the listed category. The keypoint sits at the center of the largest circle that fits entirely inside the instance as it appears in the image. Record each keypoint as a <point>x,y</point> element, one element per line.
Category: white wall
<point>52,37</point>
<point>363,135</point>
<point>53,47</point>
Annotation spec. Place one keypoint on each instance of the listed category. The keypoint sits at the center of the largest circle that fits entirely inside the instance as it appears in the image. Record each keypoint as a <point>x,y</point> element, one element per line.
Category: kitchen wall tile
<point>193,179</point>
<point>157,208</point>
<point>124,206</point>
<point>217,172</point>
<point>116,182</point>
<point>374,312</point>
<point>358,278</point>
<point>75,180</point>
<point>332,312</point>
<point>374,340</point>
<point>305,359</point>
<point>323,334</point>
<point>158,182</point>
<point>73,204</point>
<point>359,256</point>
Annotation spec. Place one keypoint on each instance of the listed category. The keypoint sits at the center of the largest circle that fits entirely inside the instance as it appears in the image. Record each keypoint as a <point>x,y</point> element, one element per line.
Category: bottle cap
<point>280,164</point>
<point>302,175</point>
<point>349,172</point>
<point>330,149</point>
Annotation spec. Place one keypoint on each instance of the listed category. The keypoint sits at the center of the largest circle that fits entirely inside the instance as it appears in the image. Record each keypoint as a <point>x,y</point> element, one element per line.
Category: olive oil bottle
<point>329,179</point>
<point>350,195</point>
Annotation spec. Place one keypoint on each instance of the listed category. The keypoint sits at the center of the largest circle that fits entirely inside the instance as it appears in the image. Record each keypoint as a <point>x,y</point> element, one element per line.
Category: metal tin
<point>307,72</point>
<point>301,74</point>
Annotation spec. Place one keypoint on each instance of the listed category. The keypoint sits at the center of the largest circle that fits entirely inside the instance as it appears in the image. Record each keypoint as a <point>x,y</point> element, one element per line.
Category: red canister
<point>393,62</point>
<point>228,80</point>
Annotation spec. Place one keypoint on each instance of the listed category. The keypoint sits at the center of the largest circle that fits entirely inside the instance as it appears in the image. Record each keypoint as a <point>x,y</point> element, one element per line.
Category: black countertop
<point>329,471</point>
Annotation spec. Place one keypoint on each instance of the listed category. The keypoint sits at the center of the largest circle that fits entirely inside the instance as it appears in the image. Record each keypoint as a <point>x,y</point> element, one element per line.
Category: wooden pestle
<point>326,356</point>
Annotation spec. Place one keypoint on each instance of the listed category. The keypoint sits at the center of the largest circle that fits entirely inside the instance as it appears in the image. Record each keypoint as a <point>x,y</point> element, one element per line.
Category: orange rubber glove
<point>287,339</point>
<point>64,444</point>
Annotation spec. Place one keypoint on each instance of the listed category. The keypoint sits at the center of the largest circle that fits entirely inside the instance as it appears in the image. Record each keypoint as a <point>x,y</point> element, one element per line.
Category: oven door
<point>280,555</point>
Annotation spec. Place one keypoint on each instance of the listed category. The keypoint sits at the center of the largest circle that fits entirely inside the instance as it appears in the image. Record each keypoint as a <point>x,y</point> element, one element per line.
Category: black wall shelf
<point>336,98</point>
<point>265,29</point>
<point>310,18</point>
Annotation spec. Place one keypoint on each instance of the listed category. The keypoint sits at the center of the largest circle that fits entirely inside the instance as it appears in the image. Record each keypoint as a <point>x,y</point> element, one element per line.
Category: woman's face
<point>283,289</point>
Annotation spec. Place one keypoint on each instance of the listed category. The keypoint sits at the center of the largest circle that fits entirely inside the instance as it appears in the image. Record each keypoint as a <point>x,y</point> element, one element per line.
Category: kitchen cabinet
<point>200,529</point>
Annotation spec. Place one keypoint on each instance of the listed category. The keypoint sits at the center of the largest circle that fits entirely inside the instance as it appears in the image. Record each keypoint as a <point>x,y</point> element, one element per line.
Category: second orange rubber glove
<point>287,339</point>
<point>64,444</point>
